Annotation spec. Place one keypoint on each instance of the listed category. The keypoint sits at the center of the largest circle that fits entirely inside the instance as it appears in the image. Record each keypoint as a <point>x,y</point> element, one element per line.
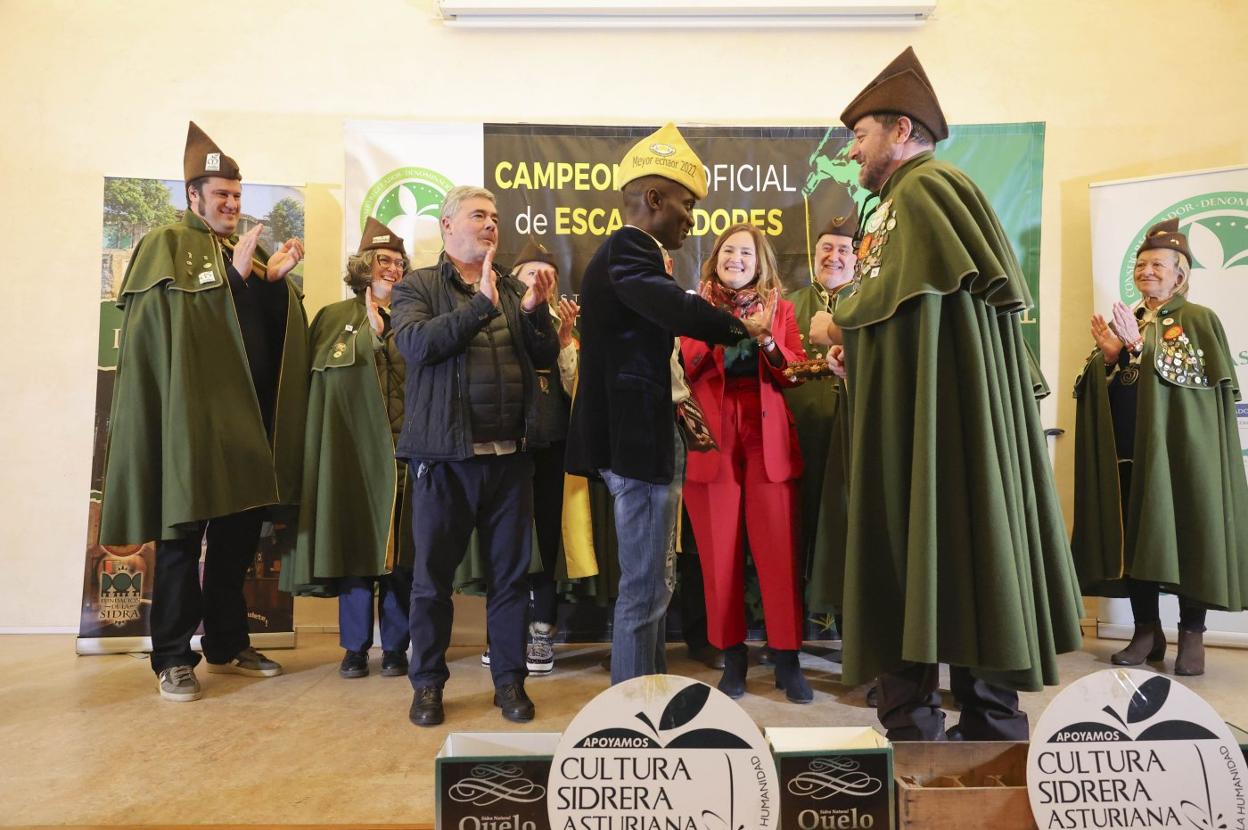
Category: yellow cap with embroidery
<point>665,153</point>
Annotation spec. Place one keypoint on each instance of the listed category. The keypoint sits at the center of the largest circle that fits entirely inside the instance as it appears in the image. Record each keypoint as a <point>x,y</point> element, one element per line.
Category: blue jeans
<point>355,610</point>
<point>645,525</point>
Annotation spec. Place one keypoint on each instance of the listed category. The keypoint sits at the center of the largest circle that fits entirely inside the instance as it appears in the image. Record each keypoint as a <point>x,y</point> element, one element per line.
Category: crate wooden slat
<point>937,803</point>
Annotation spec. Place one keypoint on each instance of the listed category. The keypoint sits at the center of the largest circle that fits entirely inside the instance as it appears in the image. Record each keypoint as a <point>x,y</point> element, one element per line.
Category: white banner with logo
<point>1212,209</point>
<point>1128,748</point>
<point>662,751</point>
<point>399,171</point>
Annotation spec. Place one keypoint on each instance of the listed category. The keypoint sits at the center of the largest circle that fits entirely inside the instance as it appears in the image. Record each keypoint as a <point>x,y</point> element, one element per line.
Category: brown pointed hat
<point>903,88</point>
<point>376,235</point>
<point>1165,234</point>
<point>536,252</point>
<point>841,225</point>
<point>203,157</point>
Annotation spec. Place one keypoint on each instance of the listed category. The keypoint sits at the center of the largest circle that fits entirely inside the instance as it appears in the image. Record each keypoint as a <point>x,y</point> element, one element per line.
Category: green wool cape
<point>186,437</point>
<point>1186,523</point>
<point>353,520</point>
<point>956,550</point>
<point>822,432</point>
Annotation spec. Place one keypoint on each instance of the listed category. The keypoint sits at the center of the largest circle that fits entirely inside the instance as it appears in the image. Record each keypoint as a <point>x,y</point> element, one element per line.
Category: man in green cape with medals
<point>817,407</point>
<point>956,550</point>
<point>355,532</point>
<point>1160,492</point>
<point>206,429</point>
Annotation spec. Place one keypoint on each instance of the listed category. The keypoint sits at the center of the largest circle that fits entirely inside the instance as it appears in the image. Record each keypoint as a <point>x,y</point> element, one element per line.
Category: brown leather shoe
<point>1148,643</point>
<point>1191,658</point>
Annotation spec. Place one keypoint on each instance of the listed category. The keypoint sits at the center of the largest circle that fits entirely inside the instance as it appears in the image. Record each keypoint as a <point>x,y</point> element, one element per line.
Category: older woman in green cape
<point>354,527</point>
<point>1160,493</point>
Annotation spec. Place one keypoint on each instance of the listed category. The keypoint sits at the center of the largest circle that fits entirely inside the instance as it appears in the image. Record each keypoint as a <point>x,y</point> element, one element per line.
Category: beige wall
<point>94,88</point>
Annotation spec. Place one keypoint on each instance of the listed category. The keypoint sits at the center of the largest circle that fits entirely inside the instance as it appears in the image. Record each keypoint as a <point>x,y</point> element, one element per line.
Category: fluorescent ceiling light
<point>707,14</point>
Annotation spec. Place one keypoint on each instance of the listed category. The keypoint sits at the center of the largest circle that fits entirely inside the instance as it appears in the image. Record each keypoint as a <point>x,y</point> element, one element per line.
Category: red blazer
<point>704,368</point>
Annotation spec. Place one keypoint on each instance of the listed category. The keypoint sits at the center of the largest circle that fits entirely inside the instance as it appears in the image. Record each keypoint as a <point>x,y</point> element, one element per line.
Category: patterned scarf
<point>741,302</point>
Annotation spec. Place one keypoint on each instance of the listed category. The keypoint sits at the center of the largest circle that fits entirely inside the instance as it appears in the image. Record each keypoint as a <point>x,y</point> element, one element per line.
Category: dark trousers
<point>548,525</point>
<point>1145,601</point>
<point>179,603</point>
<point>355,610</point>
<point>909,706</point>
<point>494,495</point>
<point>690,589</point>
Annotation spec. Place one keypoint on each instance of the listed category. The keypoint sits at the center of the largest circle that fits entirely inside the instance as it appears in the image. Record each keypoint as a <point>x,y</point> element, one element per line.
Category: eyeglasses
<point>385,261</point>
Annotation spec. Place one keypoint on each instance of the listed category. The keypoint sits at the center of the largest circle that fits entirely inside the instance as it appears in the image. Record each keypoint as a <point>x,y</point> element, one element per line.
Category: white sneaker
<point>485,657</point>
<point>178,683</point>
<point>248,662</point>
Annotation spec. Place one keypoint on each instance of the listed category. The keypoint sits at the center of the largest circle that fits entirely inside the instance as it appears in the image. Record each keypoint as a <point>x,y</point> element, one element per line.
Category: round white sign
<point>662,753</point>
<point>1128,748</point>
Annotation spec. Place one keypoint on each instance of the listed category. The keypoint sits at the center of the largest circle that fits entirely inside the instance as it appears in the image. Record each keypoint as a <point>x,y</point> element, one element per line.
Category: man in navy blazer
<point>623,423</point>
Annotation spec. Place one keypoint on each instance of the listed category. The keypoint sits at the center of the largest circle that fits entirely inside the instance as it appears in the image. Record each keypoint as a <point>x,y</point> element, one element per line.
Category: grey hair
<point>360,271</point>
<point>919,134</point>
<point>456,196</point>
<point>1185,272</point>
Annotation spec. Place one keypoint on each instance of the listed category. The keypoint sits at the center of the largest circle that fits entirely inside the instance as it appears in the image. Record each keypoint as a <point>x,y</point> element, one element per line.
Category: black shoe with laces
<point>354,664</point>
<point>427,707</point>
<point>393,663</point>
<point>707,655</point>
<point>514,702</point>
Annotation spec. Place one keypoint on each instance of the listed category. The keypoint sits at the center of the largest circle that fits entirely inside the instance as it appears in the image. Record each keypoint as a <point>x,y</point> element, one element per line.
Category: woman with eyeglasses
<point>355,535</point>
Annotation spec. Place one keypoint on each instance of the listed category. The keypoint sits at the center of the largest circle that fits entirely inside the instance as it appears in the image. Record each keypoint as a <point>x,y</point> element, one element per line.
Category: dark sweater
<point>261,309</point>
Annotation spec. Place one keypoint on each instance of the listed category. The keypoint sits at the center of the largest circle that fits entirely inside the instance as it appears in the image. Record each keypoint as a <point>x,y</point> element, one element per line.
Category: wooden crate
<point>946,785</point>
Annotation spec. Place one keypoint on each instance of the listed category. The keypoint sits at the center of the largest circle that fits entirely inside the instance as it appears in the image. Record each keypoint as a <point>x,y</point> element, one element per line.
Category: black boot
<point>1148,643</point>
<point>732,683</point>
<point>789,676</point>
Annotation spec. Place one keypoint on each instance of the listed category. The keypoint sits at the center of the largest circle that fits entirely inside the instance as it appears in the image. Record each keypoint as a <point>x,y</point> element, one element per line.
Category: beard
<point>831,278</point>
<point>874,173</point>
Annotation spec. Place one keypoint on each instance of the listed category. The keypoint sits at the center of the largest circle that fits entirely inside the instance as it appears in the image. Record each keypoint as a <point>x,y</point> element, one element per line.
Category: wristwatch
<point>767,342</point>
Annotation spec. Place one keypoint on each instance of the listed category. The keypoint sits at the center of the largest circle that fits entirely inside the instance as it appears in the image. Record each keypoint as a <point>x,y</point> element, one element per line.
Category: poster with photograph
<point>117,580</point>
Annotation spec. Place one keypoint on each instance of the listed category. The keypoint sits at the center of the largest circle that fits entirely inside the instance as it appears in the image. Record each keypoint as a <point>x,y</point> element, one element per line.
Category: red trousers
<point>742,501</point>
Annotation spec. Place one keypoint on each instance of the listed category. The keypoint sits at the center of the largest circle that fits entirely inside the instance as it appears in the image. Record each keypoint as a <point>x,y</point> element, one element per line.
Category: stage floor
<point>88,741</point>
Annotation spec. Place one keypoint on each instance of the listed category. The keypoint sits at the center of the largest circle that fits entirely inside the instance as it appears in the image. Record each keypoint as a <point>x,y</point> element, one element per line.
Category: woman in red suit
<point>750,485</point>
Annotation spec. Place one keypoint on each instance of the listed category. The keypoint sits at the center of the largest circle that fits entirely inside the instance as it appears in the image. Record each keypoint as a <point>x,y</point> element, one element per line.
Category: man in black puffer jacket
<point>472,339</point>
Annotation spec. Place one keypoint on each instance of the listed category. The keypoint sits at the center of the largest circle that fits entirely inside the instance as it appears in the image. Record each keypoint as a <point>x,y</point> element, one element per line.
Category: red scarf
<point>741,302</point>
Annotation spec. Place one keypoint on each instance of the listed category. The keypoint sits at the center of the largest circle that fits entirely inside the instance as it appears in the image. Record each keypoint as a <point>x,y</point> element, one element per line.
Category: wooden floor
<point>87,741</point>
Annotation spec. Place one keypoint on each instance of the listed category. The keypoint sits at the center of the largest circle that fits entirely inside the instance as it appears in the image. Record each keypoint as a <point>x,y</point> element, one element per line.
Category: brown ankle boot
<point>1191,658</point>
<point>1148,643</point>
